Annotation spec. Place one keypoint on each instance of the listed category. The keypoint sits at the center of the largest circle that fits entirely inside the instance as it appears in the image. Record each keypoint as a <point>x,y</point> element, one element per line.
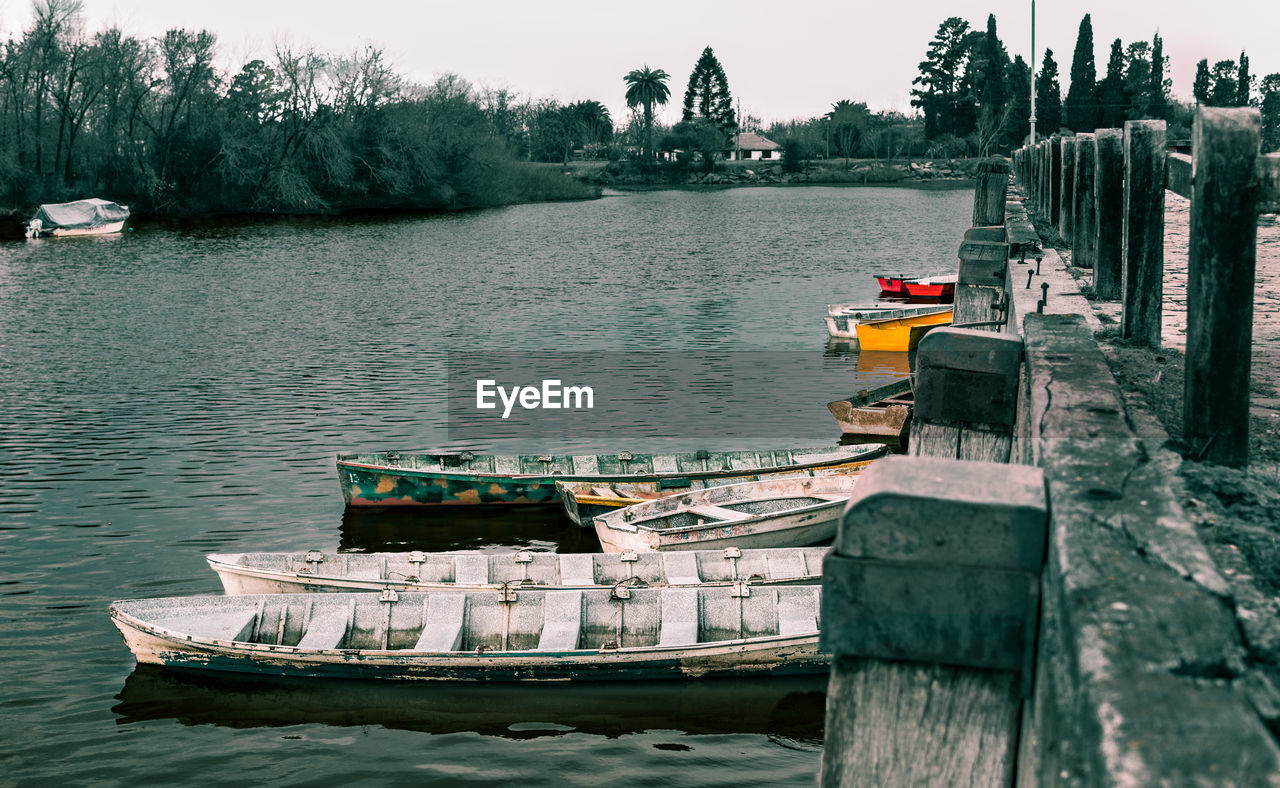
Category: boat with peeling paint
<point>288,573</point>
<point>507,635</point>
<point>773,513</point>
<point>584,501</point>
<point>463,478</point>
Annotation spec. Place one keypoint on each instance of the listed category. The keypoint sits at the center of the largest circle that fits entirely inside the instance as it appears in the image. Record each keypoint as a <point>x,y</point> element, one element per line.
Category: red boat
<point>892,285</point>
<point>932,287</point>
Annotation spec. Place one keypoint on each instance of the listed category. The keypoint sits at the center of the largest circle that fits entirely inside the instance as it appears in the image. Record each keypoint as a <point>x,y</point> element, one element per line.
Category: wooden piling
<point>1066,205</point>
<point>1108,190</point>
<point>990,190</point>
<point>1083,210</point>
<point>1220,284</point>
<point>1055,180</point>
<point>1142,275</point>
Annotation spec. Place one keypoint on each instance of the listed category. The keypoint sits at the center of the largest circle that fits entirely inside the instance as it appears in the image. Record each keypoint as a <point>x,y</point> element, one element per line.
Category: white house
<point>749,145</point>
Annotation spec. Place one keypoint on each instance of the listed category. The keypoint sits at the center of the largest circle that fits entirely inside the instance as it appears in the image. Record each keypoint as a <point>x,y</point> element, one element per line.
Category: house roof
<point>749,140</point>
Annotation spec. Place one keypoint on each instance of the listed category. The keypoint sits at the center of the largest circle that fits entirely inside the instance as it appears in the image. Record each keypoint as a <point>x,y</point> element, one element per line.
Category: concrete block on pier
<point>938,561</point>
<point>967,376</point>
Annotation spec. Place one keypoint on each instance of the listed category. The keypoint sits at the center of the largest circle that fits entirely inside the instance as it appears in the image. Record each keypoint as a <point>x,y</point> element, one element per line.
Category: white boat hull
<point>809,528</point>
<point>68,232</point>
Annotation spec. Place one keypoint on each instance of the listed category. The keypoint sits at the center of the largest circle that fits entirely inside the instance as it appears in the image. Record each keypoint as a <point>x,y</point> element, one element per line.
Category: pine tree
<point>1137,80</point>
<point>1243,81</point>
<point>1159,106</point>
<point>1048,97</point>
<point>1201,87</point>
<point>940,95</point>
<point>1018,83</point>
<point>707,95</point>
<point>1270,106</point>
<point>1082,95</point>
<point>1223,78</point>
<point>1113,103</point>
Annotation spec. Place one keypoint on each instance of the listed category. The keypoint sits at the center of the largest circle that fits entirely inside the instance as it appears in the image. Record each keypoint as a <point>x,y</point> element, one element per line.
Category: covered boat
<point>583,501</point>
<point>82,217</point>
<point>394,479</point>
<point>277,573</point>
<point>843,319</point>
<point>508,635</point>
<point>774,513</point>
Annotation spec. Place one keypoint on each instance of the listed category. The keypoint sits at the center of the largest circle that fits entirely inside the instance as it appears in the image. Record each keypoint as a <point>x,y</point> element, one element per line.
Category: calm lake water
<point>180,391</point>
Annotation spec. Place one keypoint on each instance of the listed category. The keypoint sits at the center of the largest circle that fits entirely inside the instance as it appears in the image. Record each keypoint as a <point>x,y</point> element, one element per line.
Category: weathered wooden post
<point>1142,276</point>
<point>1066,215</point>
<point>930,599</point>
<point>1083,211</point>
<point>1220,283</point>
<point>1108,190</point>
<point>989,192</point>
<point>1055,181</point>
<point>981,286</point>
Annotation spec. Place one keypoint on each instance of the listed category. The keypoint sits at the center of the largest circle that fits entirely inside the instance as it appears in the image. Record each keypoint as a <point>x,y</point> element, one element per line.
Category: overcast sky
<point>783,59</point>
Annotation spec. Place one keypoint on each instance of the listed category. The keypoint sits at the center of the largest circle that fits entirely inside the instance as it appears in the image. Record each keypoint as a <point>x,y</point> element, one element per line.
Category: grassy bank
<point>625,175</point>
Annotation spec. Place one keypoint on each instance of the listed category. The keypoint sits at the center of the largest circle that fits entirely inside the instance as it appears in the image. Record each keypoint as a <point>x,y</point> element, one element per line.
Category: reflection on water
<point>787,708</point>
<point>492,528</point>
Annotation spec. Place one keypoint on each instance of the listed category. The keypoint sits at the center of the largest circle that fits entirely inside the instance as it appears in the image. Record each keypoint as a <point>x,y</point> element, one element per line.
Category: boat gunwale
<point>639,526</point>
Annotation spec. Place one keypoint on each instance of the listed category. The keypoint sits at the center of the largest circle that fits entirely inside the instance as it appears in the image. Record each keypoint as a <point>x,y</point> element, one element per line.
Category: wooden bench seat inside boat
<point>577,569</point>
<point>561,621</point>
<point>326,629</point>
<point>679,617</point>
<point>717,513</point>
<point>471,570</point>
<point>442,619</point>
<point>681,568</point>
<point>229,625</point>
<point>797,615</point>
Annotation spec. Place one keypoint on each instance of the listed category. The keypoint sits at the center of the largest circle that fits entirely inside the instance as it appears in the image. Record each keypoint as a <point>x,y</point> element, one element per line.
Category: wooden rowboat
<point>932,287</point>
<point>462,478</point>
<point>288,573</point>
<point>773,513</point>
<point>892,285</point>
<point>887,417</point>
<point>900,333</point>
<point>584,501</point>
<point>842,319</point>
<point>509,635</point>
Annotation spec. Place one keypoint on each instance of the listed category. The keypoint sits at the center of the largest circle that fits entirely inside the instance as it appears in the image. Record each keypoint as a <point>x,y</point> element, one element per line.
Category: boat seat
<point>577,569</point>
<point>326,629</point>
<point>605,492</point>
<point>229,625</point>
<point>442,618</point>
<point>717,513</point>
<point>665,463</point>
<point>785,564</point>
<point>831,496</point>
<point>561,621</point>
<point>471,570</point>
<point>679,617</point>
<point>797,615</point>
<point>585,464</point>
<point>681,568</point>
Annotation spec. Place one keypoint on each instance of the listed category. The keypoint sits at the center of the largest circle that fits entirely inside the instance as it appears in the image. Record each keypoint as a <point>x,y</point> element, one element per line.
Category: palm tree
<point>593,122</point>
<point>646,87</point>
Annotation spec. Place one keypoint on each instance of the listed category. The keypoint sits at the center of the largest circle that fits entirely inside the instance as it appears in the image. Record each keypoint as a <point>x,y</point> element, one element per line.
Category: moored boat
<point>887,417</point>
<point>892,285</point>
<point>82,217</point>
<point>943,287</point>
<point>285,573</point>
<point>842,319</point>
<point>583,501</point>
<point>463,478</point>
<point>900,333</point>
<point>773,513</point>
<point>508,635</point>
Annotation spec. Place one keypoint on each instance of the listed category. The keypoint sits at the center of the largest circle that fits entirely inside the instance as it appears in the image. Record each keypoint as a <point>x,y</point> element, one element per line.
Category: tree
<point>592,123</point>
<point>707,95</point>
<point>645,88</point>
<point>1137,80</point>
<point>1203,84</point>
<point>1243,82</point>
<point>1159,90</point>
<point>993,63</point>
<point>942,95</point>
<point>1019,84</point>
<point>1082,95</point>
<point>848,123</point>
<point>1223,78</point>
<point>1270,107</point>
<point>1113,101</point>
<point>1048,97</point>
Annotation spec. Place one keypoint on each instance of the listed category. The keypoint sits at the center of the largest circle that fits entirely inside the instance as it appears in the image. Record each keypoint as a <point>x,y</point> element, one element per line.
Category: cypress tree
<point>1113,104</point>
<point>1242,81</point>
<point>992,90</point>
<point>1018,84</point>
<point>1201,87</point>
<point>1159,107</point>
<point>707,95</point>
<point>1270,106</point>
<point>1082,96</point>
<point>1048,97</point>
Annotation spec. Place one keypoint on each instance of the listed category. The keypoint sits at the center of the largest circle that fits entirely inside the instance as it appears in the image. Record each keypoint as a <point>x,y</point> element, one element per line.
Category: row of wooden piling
<point>1104,194</point>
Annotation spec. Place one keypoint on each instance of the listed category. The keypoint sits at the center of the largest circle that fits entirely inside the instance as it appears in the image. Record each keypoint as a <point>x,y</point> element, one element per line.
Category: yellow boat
<point>900,333</point>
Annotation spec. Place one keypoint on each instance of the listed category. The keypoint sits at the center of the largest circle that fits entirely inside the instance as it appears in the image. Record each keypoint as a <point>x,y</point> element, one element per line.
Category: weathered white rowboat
<point>583,501</point>
<point>510,635</point>
<point>287,573</point>
<point>773,513</point>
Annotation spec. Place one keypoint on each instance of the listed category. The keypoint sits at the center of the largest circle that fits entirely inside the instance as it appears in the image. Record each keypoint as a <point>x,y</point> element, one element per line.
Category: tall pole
<point>1033,72</point>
